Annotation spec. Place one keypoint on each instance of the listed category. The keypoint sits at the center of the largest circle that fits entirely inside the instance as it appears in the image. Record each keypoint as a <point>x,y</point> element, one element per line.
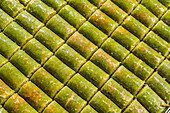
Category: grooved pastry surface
<point>84,56</point>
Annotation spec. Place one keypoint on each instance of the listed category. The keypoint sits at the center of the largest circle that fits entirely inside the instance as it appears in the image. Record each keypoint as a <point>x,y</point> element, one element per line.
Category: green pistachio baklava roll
<point>5,19</point>
<point>164,69</point>
<point>82,87</point>
<point>53,42</point>
<point>114,49</point>
<point>125,38</point>
<point>49,84</point>
<point>12,76</point>
<point>137,66</point>
<point>70,100</point>
<point>40,10</point>
<point>113,11</point>
<point>37,51</point>
<point>135,27</point>
<point>12,7</point>
<point>128,80</point>
<point>83,6</point>
<point>24,63</point>
<point>60,27</point>
<point>82,45</point>
<point>8,47</point>
<point>58,69</point>
<point>5,92</point>
<point>157,43</point>
<point>144,16</point>
<point>105,61</point>
<point>29,22</point>
<point>92,33</point>
<point>18,34</point>
<point>117,93</point>
<point>154,6</point>
<point>16,104</point>
<point>160,86</point>
<point>148,55</point>
<point>34,95</point>
<point>163,30</point>
<point>72,16</point>
<point>103,22</point>
<point>150,100</point>
<point>70,57</point>
<point>102,104</point>
<point>94,74</point>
